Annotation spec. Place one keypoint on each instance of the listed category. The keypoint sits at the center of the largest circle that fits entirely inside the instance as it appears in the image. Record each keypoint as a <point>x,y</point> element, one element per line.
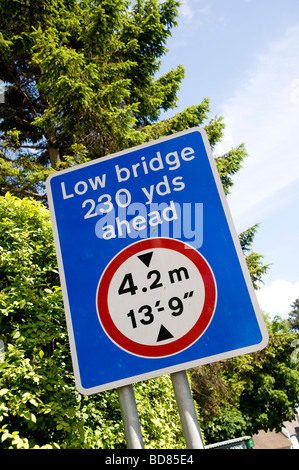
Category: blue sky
<point>244,56</point>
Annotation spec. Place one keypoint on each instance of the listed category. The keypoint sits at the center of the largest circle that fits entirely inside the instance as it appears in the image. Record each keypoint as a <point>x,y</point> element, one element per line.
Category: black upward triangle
<point>146,258</point>
<point>164,334</point>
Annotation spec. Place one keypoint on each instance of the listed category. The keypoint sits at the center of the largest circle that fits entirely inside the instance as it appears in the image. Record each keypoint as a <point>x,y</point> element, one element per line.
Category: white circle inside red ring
<point>141,346</point>
<point>167,294</point>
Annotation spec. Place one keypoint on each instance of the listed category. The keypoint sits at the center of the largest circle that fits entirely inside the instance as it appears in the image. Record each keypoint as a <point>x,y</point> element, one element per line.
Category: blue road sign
<point>153,276</point>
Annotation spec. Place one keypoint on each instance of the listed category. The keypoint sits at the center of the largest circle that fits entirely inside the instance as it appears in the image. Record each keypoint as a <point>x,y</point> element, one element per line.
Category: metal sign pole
<point>130,417</point>
<point>187,410</point>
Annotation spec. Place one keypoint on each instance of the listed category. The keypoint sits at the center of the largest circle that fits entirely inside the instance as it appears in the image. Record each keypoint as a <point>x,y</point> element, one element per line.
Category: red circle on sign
<point>178,345</point>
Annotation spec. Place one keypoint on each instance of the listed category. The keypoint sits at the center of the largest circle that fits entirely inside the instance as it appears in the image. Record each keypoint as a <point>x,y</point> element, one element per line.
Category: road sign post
<point>153,277</point>
<point>130,417</point>
<point>187,410</point>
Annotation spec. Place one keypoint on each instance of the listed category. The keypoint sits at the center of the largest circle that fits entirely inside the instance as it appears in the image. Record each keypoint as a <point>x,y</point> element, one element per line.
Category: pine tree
<point>254,260</point>
<point>294,316</point>
<point>81,83</point>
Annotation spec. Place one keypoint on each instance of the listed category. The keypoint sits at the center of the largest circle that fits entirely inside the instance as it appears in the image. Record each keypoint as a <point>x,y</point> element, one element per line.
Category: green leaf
<point>4,436</point>
<point>33,402</point>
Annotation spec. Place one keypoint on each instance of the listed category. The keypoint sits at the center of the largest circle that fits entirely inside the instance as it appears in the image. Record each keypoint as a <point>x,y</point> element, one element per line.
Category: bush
<point>40,406</point>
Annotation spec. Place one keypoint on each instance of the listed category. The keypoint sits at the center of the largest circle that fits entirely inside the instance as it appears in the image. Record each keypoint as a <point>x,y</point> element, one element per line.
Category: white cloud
<point>263,113</point>
<point>186,10</point>
<point>295,91</point>
<point>276,299</point>
<point>194,9</point>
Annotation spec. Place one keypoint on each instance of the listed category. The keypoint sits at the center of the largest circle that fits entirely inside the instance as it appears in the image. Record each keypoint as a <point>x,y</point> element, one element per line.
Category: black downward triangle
<point>146,258</point>
<point>164,334</point>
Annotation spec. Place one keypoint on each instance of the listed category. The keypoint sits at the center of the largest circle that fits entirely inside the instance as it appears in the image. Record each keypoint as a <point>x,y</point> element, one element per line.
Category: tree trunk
<point>54,153</point>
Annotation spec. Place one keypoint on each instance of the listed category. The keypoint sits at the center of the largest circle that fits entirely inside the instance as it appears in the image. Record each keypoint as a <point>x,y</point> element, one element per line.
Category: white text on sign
<point>112,207</point>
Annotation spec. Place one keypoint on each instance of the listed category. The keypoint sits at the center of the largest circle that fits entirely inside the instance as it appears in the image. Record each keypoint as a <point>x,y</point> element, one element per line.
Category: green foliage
<point>40,406</point>
<point>253,260</point>
<point>294,316</point>
<point>256,268</point>
<point>158,414</point>
<point>276,325</point>
<point>229,164</point>
<point>258,391</point>
<point>85,74</point>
